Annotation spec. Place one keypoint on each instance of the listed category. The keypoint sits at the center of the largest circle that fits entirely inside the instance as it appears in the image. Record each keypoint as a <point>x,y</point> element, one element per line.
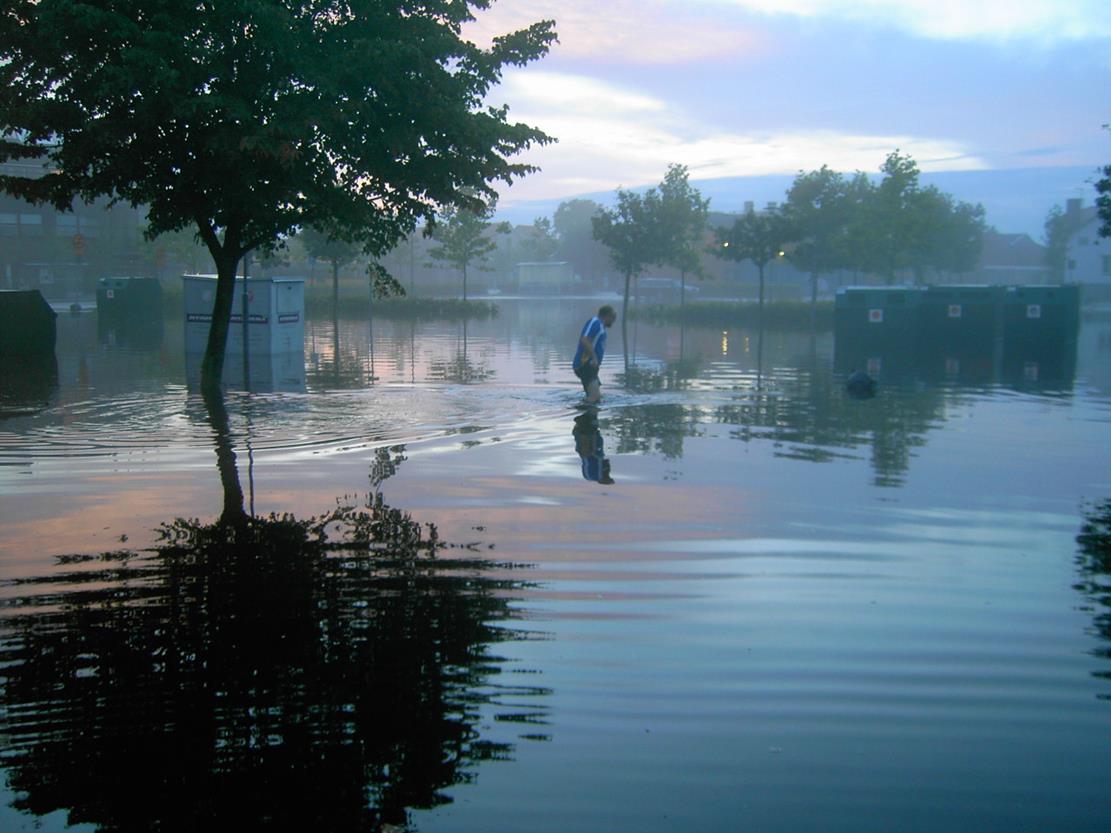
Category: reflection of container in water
<point>282,372</point>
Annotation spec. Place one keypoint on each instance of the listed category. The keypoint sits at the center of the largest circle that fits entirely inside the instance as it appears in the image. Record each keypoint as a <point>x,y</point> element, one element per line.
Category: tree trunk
<point>464,282</point>
<point>813,288</point>
<point>682,292</point>
<point>212,366</point>
<point>760,269</point>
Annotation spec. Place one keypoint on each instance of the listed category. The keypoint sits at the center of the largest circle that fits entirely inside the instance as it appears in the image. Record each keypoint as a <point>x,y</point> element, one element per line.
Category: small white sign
<point>110,294</point>
<point>954,310</point>
<point>1033,310</point>
<point>875,316</point>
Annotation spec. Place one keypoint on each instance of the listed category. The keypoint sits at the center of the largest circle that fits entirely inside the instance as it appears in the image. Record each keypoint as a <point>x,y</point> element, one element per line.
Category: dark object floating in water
<point>860,385</point>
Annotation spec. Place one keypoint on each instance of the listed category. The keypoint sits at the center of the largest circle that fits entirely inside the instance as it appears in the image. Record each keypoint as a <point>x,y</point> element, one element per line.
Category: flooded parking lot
<point>791,609</point>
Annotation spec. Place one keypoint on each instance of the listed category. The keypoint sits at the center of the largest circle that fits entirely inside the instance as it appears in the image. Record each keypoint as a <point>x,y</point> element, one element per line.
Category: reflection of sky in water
<point>790,606</point>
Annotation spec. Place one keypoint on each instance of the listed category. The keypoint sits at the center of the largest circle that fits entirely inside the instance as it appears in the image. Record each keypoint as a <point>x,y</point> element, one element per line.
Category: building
<point>63,253</point>
<point>1088,255</point>
<point>1011,260</point>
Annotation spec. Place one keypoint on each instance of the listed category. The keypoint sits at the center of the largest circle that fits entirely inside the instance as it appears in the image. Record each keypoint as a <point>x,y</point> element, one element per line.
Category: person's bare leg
<point>594,391</point>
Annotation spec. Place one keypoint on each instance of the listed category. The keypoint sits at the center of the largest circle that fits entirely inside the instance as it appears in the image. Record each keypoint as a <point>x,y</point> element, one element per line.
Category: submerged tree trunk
<point>225,254</point>
<point>212,366</point>
<point>233,513</point>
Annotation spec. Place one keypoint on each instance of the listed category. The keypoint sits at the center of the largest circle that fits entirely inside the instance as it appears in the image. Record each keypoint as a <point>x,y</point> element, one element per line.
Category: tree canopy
<point>248,119</point>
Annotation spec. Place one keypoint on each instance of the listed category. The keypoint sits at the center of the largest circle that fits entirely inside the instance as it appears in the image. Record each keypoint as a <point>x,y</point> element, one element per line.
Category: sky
<point>738,88</point>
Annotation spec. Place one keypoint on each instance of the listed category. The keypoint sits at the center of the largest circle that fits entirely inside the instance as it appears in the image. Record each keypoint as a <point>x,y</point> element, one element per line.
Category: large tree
<point>248,119</point>
<point>683,215</point>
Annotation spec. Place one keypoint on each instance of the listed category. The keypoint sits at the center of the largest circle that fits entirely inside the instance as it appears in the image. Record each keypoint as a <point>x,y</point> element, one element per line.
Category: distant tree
<point>947,236</point>
<point>337,253</point>
<point>1103,202</point>
<point>183,248</point>
<point>573,226</point>
<point>855,245</point>
<point>890,217</point>
<point>759,237</point>
<point>464,239</point>
<point>542,243</point>
<point>683,215</point>
<point>630,231</point>
<point>819,208</point>
<point>251,118</point>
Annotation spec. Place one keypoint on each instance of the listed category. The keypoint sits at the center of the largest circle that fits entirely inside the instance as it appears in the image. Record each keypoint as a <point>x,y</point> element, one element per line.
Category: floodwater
<point>732,598</point>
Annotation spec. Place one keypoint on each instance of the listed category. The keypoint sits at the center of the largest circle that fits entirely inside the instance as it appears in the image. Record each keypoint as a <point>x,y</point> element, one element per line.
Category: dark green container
<point>27,323</point>
<point>129,299</point>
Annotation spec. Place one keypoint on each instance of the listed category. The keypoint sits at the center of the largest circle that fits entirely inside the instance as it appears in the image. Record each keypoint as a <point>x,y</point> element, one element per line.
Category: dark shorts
<point>587,373</point>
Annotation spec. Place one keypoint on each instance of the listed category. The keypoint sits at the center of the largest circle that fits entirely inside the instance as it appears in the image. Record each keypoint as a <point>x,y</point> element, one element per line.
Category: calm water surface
<point>790,610</point>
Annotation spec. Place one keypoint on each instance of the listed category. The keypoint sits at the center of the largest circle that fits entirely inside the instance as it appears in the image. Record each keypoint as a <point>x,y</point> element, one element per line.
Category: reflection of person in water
<point>590,350</point>
<point>588,444</point>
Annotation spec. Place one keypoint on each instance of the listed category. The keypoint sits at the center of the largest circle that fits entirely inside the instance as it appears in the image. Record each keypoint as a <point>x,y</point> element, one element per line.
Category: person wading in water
<point>591,348</point>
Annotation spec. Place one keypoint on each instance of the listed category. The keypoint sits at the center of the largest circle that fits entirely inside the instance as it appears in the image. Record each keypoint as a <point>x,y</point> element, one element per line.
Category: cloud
<point>610,136</point>
<point>639,32</point>
<point>1039,20</point>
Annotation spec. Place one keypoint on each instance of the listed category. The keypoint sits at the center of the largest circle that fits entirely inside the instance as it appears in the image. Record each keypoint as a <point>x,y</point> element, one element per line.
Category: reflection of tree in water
<point>385,464</point>
<point>658,428</point>
<point>1094,561</point>
<point>460,368</point>
<point>322,674</point>
<point>800,407</point>
<point>675,375</point>
<point>808,416</point>
<point>655,426</point>
<point>346,368</point>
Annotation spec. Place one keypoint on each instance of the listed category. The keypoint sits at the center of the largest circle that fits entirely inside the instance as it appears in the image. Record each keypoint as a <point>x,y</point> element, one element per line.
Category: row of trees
<point>828,223</point>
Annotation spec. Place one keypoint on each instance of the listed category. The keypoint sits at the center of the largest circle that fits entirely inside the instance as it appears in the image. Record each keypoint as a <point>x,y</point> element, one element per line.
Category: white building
<point>1088,258</point>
